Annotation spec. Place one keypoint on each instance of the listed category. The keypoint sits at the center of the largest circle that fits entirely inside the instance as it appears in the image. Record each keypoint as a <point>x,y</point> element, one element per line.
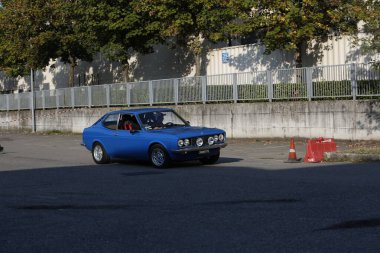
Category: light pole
<point>33,101</point>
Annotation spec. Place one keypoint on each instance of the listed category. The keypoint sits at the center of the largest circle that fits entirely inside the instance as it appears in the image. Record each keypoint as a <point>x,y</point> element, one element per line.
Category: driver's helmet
<point>152,118</point>
<point>159,117</point>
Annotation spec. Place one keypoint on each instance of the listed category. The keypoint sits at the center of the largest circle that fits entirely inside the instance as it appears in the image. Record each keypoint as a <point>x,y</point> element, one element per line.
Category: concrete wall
<point>350,120</point>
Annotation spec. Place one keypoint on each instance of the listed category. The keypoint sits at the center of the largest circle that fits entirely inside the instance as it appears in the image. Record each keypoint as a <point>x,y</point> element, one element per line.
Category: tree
<point>36,31</point>
<point>188,23</point>
<point>291,24</point>
<point>372,28</point>
<point>122,31</point>
<point>26,39</point>
<point>73,33</point>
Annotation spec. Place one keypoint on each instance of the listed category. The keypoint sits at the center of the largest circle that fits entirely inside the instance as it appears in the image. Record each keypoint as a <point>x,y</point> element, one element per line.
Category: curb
<point>340,157</point>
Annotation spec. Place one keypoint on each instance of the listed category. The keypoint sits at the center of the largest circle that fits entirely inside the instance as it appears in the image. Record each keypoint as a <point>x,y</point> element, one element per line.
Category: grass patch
<point>57,132</point>
<point>364,150</point>
<point>54,132</point>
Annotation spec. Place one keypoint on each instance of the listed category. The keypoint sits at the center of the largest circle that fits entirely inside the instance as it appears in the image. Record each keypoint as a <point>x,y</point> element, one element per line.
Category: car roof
<point>140,110</point>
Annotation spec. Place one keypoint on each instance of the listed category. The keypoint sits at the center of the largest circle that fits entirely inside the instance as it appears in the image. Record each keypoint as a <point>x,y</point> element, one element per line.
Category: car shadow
<point>222,160</point>
<point>229,160</point>
<point>355,224</point>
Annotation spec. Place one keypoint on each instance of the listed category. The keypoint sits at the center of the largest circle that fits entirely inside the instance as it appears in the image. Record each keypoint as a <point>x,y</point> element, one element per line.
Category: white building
<point>166,63</point>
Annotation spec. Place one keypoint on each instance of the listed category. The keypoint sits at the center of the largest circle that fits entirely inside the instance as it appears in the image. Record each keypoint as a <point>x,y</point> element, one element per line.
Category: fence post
<point>72,98</point>
<point>43,100</point>
<point>7,101</point>
<point>57,99</point>
<point>18,102</point>
<point>176,87</point>
<point>204,89</point>
<point>270,85</point>
<point>354,84</point>
<point>309,83</point>
<point>128,91</point>
<point>234,88</point>
<point>150,93</point>
<point>108,96</point>
<point>89,93</point>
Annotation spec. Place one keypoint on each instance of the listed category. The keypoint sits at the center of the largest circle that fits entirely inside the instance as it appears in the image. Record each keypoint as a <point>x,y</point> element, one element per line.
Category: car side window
<point>128,122</point>
<point>110,122</point>
<point>161,119</point>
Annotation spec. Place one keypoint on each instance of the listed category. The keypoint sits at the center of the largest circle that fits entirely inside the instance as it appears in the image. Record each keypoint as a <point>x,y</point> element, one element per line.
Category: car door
<point>108,134</point>
<point>129,141</point>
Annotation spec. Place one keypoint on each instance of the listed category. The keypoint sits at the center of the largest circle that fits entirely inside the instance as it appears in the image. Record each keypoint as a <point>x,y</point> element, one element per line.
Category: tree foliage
<point>32,32</point>
<point>372,28</point>
<point>73,35</point>
<point>291,24</point>
<point>187,23</point>
<point>121,30</point>
<point>26,39</point>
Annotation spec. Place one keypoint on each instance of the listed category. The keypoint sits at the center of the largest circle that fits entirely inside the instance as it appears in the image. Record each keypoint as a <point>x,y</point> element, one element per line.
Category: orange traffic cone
<point>292,157</point>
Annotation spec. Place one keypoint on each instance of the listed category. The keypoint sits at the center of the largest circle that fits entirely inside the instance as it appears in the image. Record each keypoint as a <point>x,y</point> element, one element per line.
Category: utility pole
<point>33,100</point>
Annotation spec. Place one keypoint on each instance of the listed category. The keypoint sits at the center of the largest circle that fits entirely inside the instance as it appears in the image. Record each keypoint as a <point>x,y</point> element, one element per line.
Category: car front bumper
<point>184,151</point>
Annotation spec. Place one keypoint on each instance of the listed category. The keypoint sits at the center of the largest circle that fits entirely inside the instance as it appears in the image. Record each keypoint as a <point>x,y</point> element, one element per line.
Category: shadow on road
<point>123,207</point>
<point>355,224</point>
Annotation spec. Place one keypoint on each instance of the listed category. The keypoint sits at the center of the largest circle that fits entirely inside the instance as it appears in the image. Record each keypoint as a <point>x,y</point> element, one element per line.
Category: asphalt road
<point>54,199</point>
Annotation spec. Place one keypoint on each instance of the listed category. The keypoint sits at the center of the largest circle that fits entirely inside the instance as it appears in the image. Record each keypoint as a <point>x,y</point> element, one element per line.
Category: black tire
<point>99,154</point>
<point>210,159</point>
<point>159,157</point>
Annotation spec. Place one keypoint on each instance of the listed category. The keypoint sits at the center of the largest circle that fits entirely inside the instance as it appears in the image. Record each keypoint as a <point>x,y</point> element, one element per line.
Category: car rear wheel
<point>99,154</point>
<point>159,157</point>
<point>210,159</point>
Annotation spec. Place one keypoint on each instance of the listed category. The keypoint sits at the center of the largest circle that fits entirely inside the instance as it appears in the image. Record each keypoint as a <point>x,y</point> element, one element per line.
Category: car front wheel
<point>159,157</point>
<point>99,154</point>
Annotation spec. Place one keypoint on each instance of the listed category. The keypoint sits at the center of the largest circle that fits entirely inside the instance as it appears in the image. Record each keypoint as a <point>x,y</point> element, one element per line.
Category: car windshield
<point>159,120</point>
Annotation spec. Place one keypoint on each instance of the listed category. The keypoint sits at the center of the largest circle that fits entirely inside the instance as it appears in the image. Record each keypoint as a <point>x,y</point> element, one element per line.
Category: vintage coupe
<point>159,135</point>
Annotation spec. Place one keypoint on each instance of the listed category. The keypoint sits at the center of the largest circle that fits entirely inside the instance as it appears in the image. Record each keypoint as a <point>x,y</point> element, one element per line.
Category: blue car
<point>159,135</point>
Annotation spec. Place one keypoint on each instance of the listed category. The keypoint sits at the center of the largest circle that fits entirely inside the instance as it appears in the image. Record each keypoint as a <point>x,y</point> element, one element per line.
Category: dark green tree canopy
<point>32,32</point>
<point>187,23</point>
<point>371,27</point>
<point>291,24</point>
<point>35,31</point>
<point>27,40</point>
<point>121,30</point>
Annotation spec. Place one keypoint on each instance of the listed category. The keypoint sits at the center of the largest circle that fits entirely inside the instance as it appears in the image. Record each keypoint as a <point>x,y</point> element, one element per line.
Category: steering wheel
<point>169,124</point>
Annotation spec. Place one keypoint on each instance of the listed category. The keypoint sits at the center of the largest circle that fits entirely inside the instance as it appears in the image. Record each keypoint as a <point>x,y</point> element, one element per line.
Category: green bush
<point>332,88</point>
<point>289,90</point>
<point>252,91</point>
<point>368,87</point>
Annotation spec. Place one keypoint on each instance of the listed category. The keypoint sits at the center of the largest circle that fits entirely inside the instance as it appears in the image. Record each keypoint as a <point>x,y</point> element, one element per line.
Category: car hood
<point>189,132</point>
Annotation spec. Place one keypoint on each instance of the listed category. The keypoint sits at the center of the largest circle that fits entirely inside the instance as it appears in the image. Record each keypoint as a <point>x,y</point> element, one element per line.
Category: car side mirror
<point>188,122</point>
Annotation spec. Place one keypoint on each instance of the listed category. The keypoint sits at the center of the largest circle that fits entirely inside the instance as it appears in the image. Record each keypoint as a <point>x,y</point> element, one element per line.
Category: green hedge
<point>281,91</point>
<point>332,88</point>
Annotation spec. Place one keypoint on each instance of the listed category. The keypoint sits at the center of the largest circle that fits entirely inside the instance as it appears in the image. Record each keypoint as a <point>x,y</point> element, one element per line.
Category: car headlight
<point>199,142</point>
<point>180,143</point>
<point>221,137</point>
<point>210,140</point>
<point>187,142</point>
<point>216,138</point>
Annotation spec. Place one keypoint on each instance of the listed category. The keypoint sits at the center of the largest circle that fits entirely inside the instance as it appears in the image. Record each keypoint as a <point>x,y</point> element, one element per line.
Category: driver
<point>153,120</point>
<point>158,122</point>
